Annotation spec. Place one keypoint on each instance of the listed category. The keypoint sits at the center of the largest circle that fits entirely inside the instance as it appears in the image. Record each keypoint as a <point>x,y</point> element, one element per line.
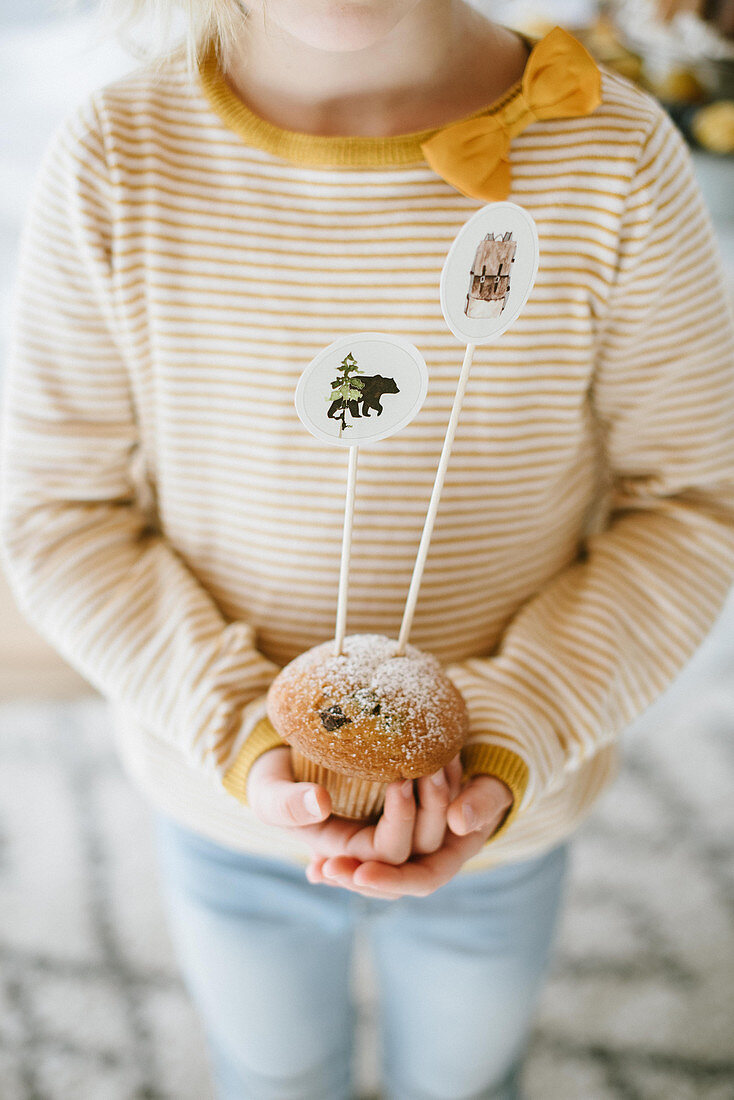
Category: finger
<point>430,819</point>
<point>340,872</point>
<point>277,800</point>
<point>313,871</point>
<point>482,804</point>
<point>331,837</point>
<point>392,837</point>
<point>340,837</point>
<point>454,773</point>
<point>393,833</point>
<point>423,875</point>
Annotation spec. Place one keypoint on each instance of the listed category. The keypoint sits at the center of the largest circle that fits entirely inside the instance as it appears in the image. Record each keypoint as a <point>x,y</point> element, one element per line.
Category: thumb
<point>277,800</point>
<point>482,804</point>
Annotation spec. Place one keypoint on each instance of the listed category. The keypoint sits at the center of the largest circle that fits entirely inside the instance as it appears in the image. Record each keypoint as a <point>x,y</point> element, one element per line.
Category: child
<point>198,232</point>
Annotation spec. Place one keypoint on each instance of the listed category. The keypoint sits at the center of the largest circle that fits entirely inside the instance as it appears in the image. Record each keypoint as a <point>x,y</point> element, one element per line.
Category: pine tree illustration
<point>347,387</point>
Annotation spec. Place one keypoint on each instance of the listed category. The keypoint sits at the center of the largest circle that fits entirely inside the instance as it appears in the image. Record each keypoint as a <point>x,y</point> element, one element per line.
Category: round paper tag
<point>489,272</point>
<point>362,388</point>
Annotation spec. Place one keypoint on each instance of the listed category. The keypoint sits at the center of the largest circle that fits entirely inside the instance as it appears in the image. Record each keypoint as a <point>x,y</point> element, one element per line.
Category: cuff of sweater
<point>502,763</point>
<point>262,738</point>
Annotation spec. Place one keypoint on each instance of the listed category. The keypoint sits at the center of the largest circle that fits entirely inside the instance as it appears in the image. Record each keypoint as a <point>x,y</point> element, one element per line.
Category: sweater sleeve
<point>607,635</point>
<point>87,566</point>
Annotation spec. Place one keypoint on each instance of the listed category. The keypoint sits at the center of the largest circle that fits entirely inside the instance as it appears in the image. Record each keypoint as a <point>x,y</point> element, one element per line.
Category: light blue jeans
<point>266,958</point>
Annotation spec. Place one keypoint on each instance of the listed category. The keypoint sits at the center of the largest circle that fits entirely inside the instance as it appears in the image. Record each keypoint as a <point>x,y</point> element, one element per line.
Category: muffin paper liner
<point>353,798</point>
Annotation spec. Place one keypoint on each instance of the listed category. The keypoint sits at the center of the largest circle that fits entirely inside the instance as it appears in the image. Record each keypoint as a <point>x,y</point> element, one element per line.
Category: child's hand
<point>401,829</point>
<point>405,829</point>
<point>488,798</point>
<point>277,799</point>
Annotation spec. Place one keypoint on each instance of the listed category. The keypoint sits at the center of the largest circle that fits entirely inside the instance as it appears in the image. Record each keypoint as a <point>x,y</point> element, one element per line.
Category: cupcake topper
<point>360,389</point>
<point>486,280</point>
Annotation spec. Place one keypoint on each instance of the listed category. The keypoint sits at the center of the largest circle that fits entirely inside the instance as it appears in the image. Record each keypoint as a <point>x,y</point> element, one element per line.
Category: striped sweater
<point>169,526</point>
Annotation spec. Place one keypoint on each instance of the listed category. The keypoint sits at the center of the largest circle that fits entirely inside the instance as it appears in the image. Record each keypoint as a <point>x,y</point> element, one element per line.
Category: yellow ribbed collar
<point>317,150</point>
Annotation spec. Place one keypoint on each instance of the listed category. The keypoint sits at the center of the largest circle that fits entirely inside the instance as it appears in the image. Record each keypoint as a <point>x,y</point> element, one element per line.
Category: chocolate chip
<point>333,718</point>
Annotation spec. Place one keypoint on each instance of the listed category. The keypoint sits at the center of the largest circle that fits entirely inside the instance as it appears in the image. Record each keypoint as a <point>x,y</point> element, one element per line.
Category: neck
<point>431,68</point>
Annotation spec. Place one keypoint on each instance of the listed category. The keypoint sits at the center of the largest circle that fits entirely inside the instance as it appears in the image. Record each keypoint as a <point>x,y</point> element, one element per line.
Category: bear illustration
<point>373,388</point>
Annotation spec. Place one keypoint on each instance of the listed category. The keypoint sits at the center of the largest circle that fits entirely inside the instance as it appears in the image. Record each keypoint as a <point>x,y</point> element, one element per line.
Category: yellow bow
<point>561,80</point>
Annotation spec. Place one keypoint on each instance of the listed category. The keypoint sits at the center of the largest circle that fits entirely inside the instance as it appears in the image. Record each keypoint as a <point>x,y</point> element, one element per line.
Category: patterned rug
<point>639,1005</point>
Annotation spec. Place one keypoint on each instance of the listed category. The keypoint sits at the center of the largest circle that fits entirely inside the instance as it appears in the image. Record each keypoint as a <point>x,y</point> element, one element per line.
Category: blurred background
<point>640,1001</point>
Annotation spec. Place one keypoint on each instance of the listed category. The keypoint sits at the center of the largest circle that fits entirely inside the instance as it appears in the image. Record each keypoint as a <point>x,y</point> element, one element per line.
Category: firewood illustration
<point>489,280</point>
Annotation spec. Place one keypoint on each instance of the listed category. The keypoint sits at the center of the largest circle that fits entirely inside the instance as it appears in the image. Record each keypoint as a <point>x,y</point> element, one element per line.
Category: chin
<point>342,26</point>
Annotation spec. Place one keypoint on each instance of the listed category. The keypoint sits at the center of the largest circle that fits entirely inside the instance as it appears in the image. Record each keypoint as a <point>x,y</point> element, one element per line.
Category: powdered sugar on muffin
<point>369,713</point>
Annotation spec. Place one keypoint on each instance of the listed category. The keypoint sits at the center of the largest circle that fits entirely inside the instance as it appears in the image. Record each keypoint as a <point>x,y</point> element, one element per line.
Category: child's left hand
<point>438,851</point>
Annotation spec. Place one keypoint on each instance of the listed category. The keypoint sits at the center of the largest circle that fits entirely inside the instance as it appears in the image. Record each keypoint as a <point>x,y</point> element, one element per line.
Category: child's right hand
<point>402,830</point>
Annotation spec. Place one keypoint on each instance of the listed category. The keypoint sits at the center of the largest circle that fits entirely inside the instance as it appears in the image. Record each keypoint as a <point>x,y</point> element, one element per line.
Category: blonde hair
<point>200,23</point>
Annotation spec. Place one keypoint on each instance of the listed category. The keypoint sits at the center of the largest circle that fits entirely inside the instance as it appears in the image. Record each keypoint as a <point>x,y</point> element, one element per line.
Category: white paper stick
<point>341,607</point>
<point>425,542</point>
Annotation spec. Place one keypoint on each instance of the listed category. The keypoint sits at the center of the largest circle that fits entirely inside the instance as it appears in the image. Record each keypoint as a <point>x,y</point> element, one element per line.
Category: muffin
<point>358,721</point>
